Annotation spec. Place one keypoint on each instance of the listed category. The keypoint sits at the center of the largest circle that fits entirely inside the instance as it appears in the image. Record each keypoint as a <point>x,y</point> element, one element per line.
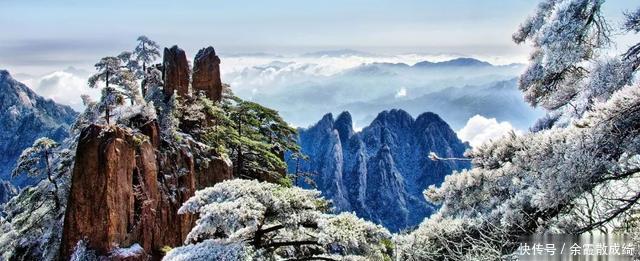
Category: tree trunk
<point>144,76</point>
<point>239,159</point>
<point>297,175</point>
<point>49,176</point>
<point>107,101</point>
<point>144,72</point>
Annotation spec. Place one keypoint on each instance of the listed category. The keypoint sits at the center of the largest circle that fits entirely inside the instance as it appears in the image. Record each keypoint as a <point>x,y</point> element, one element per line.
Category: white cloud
<point>63,87</point>
<point>401,93</point>
<point>479,130</point>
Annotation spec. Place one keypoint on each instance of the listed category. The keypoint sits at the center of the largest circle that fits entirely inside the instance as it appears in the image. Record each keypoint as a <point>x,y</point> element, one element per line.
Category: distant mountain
<point>303,91</point>
<point>24,117</point>
<point>501,100</point>
<point>469,66</point>
<point>252,54</point>
<point>453,63</point>
<point>380,172</point>
<point>338,53</point>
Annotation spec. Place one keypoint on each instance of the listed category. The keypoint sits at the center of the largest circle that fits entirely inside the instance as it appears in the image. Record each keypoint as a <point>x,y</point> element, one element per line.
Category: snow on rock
<point>380,172</point>
<point>24,117</point>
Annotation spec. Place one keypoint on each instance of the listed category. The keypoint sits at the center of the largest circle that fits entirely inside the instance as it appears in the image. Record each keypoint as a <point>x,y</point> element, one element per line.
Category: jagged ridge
<point>381,171</point>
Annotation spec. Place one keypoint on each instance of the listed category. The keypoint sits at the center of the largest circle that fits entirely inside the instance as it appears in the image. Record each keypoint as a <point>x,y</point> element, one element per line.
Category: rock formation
<point>380,172</point>
<point>128,184</point>
<point>7,191</point>
<point>175,71</point>
<point>206,74</point>
<point>126,189</point>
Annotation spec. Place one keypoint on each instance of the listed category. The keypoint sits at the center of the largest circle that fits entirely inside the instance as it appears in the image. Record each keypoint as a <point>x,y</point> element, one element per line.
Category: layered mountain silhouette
<point>381,171</point>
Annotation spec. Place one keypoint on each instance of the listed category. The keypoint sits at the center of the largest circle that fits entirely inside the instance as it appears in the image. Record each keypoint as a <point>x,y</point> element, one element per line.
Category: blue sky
<point>41,34</point>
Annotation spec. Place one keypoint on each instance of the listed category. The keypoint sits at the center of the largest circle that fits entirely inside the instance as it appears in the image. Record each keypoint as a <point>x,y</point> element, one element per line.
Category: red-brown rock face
<point>176,72</point>
<point>206,74</point>
<point>125,191</point>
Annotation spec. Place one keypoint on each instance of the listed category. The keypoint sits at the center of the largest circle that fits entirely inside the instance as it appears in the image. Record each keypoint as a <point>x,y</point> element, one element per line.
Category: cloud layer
<point>479,130</point>
<point>64,86</point>
<point>305,87</point>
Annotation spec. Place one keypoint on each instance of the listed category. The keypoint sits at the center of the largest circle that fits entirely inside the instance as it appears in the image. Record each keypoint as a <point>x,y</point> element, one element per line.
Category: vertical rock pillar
<point>176,72</point>
<point>206,74</point>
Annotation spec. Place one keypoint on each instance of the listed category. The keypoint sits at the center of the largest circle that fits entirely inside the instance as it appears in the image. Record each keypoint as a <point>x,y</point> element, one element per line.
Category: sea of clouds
<point>305,87</point>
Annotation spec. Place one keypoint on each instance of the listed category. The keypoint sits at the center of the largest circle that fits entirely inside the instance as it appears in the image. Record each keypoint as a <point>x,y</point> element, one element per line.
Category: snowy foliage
<point>31,160</point>
<point>130,63</point>
<point>166,111</point>
<point>127,113</point>
<point>32,228</point>
<point>153,77</point>
<point>121,76</point>
<point>110,72</point>
<point>146,51</point>
<point>129,84</point>
<point>271,221</point>
<point>254,137</point>
<point>576,173</point>
<point>212,249</point>
<point>632,22</point>
<point>107,67</point>
<point>565,35</point>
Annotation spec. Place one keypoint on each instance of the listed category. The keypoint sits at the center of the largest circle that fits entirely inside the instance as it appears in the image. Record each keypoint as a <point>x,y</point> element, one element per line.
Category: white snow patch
<point>132,251</point>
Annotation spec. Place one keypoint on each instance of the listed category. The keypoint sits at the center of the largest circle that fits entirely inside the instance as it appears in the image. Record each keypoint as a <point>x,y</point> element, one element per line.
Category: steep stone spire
<point>206,74</point>
<point>175,72</point>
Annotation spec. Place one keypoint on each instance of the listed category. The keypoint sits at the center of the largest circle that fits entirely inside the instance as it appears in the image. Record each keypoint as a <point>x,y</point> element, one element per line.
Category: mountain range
<point>306,88</point>
<point>501,100</point>
<point>25,117</point>
<point>380,172</point>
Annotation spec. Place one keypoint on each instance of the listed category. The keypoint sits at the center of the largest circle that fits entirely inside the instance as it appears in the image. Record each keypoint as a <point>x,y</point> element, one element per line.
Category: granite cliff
<point>381,171</point>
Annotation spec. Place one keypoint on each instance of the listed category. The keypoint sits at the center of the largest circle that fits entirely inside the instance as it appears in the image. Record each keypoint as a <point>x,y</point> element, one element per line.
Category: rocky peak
<point>206,74</point>
<point>429,118</point>
<point>395,118</point>
<point>24,117</point>
<point>126,191</point>
<point>326,123</point>
<point>4,74</point>
<point>380,172</point>
<point>176,71</point>
<point>344,126</point>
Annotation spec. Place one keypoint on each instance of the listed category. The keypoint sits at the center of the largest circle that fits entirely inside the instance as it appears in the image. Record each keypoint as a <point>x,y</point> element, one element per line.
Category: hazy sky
<point>39,35</point>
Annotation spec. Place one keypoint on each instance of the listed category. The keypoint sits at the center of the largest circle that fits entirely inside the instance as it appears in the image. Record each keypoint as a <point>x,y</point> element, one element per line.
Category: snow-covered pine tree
<point>576,173</point>
<point>32,227</point>
<point>37,159</point>
<point>108,68</point>
<point>145,53</point>
<point>249,220</point>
